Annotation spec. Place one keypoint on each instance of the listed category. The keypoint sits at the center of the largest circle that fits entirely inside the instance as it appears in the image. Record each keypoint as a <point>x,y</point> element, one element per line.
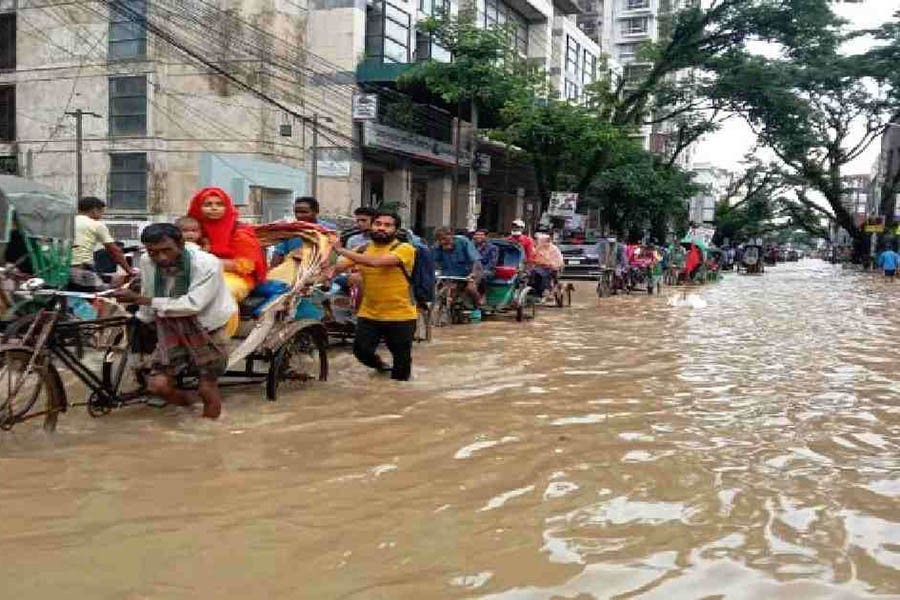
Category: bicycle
<point>449,308</point>
<point>30,384</point>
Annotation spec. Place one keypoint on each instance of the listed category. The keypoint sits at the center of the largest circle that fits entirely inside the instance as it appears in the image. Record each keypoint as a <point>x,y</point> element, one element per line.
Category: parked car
<point>580,261</point>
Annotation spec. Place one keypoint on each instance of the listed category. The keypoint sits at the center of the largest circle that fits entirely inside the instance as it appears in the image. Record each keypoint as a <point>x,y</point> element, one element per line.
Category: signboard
<point>333,162</point>
<point>704,234</point>
<point>874,224</point>
<point>563,204</point>
<point>365,107</point>
<point>376,135</point>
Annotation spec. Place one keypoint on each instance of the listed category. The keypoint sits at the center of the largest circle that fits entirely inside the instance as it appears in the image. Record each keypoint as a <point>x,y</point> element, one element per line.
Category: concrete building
<point>409,151</point>
<point>885,169</point>
<point>165,125</point>
<point>186,94</point>
<point>715,182</point>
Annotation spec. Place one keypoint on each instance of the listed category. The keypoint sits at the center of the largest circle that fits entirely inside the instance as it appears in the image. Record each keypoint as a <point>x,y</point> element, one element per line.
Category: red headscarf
<point>228,238</point>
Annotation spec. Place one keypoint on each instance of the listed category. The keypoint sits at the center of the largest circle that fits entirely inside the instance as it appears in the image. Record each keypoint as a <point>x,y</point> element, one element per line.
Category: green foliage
<point>639,192</point>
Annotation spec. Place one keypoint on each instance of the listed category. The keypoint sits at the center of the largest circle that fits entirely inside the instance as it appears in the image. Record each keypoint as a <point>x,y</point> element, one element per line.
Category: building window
<point>496,13</point>
<point>9,164</point>
<point>635,25</point>
<point>128,181</point>
<point>387,32</point>
<point>635,74</point>
<point>627,51</point>
<point>573,51</point>
<point>128,106</point>
<point>570,90</point>
<point>127,29</point>
<point>7,40</point>
<point>8,113</point>
<point>636,4</point>
<point>588,68</point>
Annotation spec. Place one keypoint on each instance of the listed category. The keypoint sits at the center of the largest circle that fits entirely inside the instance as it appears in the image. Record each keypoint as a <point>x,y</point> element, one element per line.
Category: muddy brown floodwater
<point>737,442</point>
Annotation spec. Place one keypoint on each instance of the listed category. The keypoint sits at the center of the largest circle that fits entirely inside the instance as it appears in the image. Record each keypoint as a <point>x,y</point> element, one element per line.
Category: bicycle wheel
<point>302,359</point>
<point>34,394</point>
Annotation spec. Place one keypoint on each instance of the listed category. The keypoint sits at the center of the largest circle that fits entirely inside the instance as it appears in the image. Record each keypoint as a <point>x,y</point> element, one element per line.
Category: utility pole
<point>314,180</point>
<point>79,139</point>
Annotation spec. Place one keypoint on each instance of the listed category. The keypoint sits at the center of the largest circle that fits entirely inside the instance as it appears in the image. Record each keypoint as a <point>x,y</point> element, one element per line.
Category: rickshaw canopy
<point>39,210</point>
<point>687,240</point>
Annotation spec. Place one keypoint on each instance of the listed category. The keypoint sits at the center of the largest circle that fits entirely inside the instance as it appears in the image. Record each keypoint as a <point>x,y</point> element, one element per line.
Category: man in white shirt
<point>90,232</point>
<point>183,291</point>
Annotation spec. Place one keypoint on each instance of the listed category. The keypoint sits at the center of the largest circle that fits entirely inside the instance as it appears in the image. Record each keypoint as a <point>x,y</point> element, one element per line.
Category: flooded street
<point>740,442</point>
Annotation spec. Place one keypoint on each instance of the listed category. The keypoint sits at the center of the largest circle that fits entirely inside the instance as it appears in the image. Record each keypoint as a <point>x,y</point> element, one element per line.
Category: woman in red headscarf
<point>234,243</point>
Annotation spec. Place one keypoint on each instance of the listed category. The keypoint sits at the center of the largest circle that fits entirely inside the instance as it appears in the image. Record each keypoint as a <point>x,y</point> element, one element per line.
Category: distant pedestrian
<point>888,261</point>
<point>387,310</point>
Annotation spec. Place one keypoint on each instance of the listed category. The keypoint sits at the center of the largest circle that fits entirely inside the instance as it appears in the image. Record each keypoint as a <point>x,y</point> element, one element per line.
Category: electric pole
<point>79,135</point>
<point>314,180</point>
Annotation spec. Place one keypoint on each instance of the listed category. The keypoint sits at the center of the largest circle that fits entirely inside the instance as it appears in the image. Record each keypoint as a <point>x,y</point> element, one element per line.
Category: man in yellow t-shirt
<point>387,310</point>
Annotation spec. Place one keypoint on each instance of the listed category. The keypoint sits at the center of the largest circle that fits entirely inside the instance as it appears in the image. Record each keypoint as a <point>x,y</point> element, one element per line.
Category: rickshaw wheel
<point>41,391</point>
<point>570,289</point>
<point>301,359</point>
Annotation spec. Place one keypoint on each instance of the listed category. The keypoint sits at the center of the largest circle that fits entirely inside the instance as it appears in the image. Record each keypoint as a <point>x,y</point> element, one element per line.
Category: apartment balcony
<point>567,7</point>
<point>378,71</point>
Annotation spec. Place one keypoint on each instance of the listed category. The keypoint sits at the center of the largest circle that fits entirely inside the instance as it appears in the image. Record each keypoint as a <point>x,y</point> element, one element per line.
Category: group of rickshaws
<point>626,268</point>
<point>52,336</point>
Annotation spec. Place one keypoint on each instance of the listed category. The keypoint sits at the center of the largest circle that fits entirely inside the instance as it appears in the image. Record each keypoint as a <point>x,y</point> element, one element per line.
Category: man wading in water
<point>387,309</point>
<point>183,292</point>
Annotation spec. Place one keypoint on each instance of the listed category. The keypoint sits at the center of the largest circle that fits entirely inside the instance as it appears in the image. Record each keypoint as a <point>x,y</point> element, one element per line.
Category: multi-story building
<point>256,99</point>
<point>885,170</point>
<point>411,159</point>
<point>161,119</point>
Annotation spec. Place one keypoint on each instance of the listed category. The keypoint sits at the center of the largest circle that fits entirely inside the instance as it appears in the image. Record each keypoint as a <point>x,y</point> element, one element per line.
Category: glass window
<point>8,40</point>
<point>636,4</point>
<point>128,181</point>
<point>588,68</point>
<point>573,49</point>
<point>387,32</point>
<point>127,34</point>
<point>498,14</point>
<point>8,112</point>
<point>635,25</point>
<point>571,90</point>
<point>128,106</point>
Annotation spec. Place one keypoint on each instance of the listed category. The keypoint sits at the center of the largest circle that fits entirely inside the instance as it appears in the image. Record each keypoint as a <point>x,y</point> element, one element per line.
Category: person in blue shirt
<point>306,208</point>
<point>456,256</point>
<point>888,261</point>
<point>363,217</point>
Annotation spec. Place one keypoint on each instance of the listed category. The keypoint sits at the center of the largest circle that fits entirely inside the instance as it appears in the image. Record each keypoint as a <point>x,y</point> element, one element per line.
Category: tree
<point>641,193</point>
<point>811,106</point>
<point>747,209</point>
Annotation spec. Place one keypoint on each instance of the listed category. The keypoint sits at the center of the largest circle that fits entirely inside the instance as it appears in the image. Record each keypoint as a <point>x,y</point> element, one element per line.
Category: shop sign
<point>333,162</point>
<point>365,107</point>
<point>874,224</point>
<point>562,204</point>
<point>376,135</point>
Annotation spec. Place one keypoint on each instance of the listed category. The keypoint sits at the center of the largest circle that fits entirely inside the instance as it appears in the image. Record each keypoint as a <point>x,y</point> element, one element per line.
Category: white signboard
<point>333,162</point>
<point>562,204</point>
<point>376,135</point>
<point>705,234</point>
<point>365,107</point>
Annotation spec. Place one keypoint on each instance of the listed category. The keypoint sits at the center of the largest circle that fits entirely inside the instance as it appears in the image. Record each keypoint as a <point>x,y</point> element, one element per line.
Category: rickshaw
<point>607,254</point>
<point>37,230</point>
<point>714,260</point>
<point>694,269</point>
<point>644,269</point>
<point>752,260</point>
<point>508,290</point>
<point>272,346</point>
